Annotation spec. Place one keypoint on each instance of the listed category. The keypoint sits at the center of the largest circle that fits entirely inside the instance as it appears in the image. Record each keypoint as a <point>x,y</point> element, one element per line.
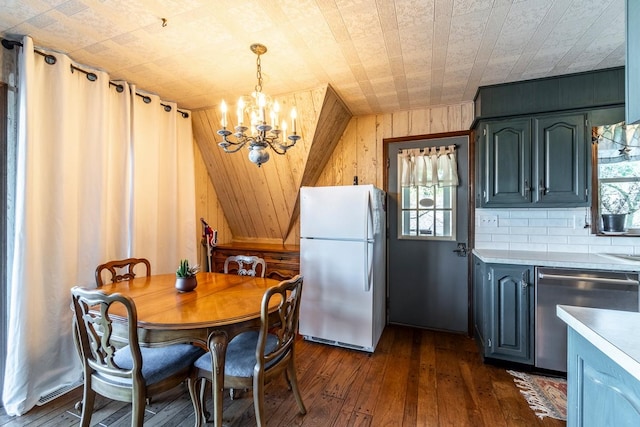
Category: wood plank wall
<point>359,152</point>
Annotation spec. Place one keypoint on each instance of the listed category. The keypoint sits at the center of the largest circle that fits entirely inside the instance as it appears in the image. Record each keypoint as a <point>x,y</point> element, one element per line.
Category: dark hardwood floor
<point>415,378</point>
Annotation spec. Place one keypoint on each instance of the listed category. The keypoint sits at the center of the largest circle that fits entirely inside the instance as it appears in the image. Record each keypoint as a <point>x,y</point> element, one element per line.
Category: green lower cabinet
<point>599,391</point>
<point>479,318</point>
<point>509,311</point>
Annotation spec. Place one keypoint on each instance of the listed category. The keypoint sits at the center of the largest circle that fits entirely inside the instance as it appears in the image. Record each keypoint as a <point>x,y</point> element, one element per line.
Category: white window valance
<point>431,166</point>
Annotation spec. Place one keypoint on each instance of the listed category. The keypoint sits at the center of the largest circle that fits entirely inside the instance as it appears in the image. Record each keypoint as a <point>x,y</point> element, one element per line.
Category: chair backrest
<point>94,328</point>
<point>247,265</point>
<point>282,323</point>
<point>121,269</point>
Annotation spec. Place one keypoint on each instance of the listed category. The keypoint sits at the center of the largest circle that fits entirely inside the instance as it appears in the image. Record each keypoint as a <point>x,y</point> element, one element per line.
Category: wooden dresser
<point>283,261</point>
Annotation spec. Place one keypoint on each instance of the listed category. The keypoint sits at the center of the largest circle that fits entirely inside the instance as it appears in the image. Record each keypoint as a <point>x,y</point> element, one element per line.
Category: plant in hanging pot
<point>186,276</point>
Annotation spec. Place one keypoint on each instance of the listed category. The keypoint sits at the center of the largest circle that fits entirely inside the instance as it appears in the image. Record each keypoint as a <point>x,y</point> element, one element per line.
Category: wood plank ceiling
<point>380,56</point>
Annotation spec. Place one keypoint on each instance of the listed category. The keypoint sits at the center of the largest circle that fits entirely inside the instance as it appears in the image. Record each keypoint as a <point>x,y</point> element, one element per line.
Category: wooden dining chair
<point>241,261</point>
<point>128,373</point>
<point>122,269</point>
<point>253,358</point>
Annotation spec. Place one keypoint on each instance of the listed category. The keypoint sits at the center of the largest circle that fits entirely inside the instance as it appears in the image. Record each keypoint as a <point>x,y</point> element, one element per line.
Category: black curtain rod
<point>167,108</point>
<point>118,86</point>
<point>145,98</point>
<point>10,44</point>
<point>50,59</point>
<point>90,76</point>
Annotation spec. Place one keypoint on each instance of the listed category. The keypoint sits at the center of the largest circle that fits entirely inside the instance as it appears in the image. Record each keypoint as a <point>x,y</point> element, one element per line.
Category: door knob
<point>461,250</point>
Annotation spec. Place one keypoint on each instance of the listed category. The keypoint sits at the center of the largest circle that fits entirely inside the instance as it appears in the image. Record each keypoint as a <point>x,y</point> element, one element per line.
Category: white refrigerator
<point>343,261</point>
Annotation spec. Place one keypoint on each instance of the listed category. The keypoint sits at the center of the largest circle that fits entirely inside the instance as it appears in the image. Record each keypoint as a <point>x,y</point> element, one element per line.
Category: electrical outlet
<point>489,220</point>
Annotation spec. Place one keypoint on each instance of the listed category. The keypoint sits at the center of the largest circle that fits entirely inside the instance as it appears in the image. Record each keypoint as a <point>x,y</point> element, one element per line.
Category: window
<point>428,212</point>
<point>428,180</point>
<point>619,172</point>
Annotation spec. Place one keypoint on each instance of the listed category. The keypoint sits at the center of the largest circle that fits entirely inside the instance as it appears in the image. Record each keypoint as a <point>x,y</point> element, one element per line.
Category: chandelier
<point>263,130</point>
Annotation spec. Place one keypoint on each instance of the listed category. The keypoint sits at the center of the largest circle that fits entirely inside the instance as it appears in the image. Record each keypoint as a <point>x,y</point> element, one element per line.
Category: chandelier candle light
<point>263,134</point>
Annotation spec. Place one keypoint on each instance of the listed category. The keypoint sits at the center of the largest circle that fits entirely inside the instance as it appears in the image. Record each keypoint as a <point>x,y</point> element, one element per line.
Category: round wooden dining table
<point>221,306</point>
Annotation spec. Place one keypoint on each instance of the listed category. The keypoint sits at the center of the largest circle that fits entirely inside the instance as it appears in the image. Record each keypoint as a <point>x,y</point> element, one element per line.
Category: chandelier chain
<point>259,75</point>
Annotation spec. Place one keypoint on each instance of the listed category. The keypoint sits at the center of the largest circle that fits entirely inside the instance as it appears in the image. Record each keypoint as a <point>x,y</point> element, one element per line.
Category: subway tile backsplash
<point>546,230</point>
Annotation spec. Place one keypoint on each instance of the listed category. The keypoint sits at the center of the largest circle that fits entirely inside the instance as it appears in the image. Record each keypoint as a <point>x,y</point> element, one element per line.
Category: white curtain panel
<point>186,224</point>
<point>429,166</point>
<point>115,188</point>
<point>163,185</point>
<point>76,199</point>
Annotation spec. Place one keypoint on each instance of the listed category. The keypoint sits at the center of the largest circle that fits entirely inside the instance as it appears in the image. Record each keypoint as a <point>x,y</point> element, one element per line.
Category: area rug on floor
<point>546,396</point>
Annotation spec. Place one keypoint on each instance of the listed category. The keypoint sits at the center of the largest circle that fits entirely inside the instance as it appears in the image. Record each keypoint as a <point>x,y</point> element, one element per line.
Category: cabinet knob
<point>527,188</point>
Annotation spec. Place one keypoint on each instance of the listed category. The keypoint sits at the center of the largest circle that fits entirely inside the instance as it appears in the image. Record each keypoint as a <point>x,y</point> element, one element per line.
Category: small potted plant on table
<point>186,276</point>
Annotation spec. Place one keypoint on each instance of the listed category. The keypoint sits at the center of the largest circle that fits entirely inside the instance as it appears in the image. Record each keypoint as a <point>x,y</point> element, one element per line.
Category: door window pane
<point>427,212</point>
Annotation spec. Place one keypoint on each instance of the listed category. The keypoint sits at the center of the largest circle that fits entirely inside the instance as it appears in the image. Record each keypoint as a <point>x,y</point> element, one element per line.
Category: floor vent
<point>57,393</point>
<point>338,343</point>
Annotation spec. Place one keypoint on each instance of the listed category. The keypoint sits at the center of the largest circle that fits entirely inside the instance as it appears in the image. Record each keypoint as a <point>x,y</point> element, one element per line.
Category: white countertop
<point>613,332</point>
<point>556,259</point>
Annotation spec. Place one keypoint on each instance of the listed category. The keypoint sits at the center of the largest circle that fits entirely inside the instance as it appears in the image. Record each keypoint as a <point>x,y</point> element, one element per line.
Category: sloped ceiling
<point>261,202</point>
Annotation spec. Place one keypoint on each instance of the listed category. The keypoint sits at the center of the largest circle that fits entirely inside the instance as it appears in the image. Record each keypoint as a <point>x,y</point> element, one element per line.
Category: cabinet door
<point>479,312</point>
<point>561,154</point>
<point>511,335</point>
<point>600,392</point>
<point>507,178</point>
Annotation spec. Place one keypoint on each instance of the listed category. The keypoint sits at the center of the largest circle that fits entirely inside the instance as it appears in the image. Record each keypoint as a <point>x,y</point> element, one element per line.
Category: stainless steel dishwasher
<point>584,288</point>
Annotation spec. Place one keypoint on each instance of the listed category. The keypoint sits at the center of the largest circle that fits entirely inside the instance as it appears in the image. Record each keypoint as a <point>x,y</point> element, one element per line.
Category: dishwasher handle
<point>603,280</point>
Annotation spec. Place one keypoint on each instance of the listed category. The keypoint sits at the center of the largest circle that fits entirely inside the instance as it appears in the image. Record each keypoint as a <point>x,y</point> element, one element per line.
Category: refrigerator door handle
<point>368,264</point>
<point>368,213</point>
<point>368,260</point>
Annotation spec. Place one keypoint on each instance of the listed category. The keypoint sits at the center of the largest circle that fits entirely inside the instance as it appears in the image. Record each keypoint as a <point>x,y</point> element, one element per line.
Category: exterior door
<point>428,273</point>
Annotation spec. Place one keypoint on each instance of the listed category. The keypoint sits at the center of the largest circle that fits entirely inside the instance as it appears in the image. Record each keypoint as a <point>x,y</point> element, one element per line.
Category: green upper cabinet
<point>533,147</point>
<point>561,153</point>
<point>507,167</point>
<point>632,66</point>
<point>541,161</point>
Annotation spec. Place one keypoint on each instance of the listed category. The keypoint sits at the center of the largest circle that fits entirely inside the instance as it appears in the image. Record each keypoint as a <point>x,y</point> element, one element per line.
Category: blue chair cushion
<point>241,354</point>
<point>159,363</point>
